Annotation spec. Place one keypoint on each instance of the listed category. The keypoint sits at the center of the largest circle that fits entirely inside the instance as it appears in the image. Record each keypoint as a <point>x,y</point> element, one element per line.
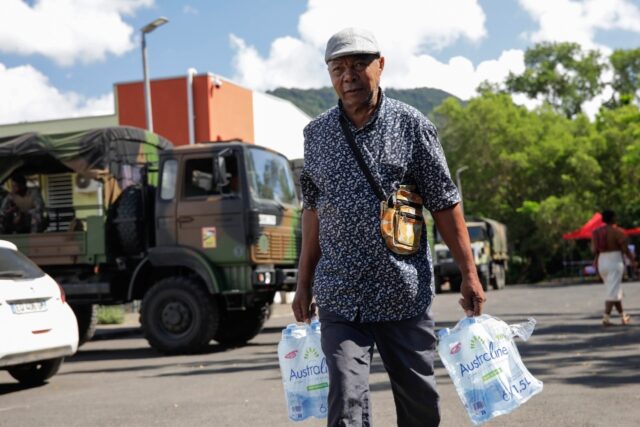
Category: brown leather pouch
<point>401,221</point>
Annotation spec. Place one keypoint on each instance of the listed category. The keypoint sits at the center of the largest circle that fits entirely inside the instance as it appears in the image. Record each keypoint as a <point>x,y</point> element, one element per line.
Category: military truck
<point>489,246</point>
<point>204,235</point>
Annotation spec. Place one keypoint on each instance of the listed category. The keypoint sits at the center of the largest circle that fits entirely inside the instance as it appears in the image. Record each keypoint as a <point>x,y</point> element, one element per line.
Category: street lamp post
<point>147,86</point>
<point>459,184</point>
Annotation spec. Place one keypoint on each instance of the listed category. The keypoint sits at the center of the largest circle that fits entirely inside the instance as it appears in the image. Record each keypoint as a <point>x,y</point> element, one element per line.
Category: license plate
<point>29,307</point>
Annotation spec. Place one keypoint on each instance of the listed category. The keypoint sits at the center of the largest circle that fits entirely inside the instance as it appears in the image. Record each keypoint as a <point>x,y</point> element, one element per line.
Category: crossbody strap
<point>358,155</point>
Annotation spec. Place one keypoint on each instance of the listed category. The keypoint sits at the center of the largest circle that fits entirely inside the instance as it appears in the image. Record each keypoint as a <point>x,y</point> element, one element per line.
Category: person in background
<point>368,296</point>
<point>23,210</point>
<point>609,245</point>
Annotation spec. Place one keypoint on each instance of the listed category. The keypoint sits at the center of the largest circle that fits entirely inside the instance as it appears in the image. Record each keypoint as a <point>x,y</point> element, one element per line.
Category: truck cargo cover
<point>106,150</point>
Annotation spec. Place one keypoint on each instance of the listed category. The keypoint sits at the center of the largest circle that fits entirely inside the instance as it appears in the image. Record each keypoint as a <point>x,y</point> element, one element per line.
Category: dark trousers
<point>407,349</point>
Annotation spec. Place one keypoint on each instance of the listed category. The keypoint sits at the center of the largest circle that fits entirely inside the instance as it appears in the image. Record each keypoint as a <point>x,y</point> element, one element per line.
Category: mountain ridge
<point>315,101</point>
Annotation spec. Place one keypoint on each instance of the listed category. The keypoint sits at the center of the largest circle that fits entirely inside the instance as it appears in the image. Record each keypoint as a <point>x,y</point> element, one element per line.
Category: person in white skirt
<point>609,244</point>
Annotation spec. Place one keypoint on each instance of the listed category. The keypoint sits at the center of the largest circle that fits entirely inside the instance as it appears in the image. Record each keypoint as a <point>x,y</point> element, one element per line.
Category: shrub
<point>110,315</point>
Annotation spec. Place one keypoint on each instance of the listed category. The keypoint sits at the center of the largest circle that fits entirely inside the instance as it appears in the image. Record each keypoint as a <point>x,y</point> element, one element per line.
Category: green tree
<point>536,171</point>
<point>626,75</point>
<point>563,74</point>
<point>618,154</point>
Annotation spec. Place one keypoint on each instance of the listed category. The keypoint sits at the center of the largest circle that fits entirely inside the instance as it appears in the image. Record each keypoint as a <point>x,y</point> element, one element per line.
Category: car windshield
<point>14,265</point>
<point>270,177</point>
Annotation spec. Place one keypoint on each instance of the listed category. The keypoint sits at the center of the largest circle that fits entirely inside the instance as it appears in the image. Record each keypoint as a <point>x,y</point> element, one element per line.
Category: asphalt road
<point>591,374</point>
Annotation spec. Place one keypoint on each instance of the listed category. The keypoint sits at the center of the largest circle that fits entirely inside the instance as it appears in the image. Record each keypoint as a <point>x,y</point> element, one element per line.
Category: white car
<point>37,327</point>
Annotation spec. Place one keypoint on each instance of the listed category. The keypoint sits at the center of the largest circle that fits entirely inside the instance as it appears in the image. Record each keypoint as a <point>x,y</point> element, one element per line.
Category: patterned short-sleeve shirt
<point>357,276</point>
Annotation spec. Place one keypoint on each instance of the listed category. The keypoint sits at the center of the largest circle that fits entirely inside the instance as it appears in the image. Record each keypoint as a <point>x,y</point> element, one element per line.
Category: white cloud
<point>190,10</point>
<point>291,63</point>
<point>68,31</point>
<point>34,98</point>
<point>458,76</point>
<point>405,25</point>
<point>406,32</point>
<point>578,21</point>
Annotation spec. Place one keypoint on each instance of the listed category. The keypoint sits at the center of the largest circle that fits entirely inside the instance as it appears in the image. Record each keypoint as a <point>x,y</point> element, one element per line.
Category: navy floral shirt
<point>357,276</point>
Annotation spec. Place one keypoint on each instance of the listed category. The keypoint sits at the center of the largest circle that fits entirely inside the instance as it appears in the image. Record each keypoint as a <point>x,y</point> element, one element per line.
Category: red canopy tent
<point>595,222</point>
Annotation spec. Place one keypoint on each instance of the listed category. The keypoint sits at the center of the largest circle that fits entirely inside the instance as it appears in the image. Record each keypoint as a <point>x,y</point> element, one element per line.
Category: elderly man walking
<point>371,273</point>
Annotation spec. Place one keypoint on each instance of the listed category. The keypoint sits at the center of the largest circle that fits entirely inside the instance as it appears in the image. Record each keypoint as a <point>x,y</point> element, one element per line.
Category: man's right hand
<point>473,296</point>
<point>302,307</point>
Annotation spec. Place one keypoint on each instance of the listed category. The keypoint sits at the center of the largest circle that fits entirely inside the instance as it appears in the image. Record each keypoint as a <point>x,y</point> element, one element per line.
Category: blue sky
<point>60,58</point>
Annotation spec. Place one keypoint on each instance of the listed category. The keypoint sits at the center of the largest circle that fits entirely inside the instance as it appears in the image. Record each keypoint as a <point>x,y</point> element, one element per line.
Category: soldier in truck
<point>23,210</point>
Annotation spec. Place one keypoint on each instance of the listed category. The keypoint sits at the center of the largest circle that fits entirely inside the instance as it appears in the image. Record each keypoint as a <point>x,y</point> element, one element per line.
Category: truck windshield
<point>476,234</point>
<point>270,177</point>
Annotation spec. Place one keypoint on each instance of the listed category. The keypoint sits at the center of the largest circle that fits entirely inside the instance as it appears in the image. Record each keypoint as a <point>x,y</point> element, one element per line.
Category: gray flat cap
<point>351,41</point>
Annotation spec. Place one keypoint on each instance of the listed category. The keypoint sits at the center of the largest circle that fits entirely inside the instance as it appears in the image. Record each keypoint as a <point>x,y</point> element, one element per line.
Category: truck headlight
<point>264,277</point>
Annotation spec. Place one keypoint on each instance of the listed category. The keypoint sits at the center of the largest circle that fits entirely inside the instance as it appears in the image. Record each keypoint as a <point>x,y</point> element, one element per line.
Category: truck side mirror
<point>220,175</point>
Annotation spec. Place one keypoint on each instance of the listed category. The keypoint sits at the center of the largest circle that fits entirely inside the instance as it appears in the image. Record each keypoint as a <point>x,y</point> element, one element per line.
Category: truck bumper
<point>280,279</point>
<point>446,270</point>
<point>451,269</point>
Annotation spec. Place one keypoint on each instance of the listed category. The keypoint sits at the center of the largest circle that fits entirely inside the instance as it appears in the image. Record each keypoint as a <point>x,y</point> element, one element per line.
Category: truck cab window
<point>199,180</point>
<point>169,172</point>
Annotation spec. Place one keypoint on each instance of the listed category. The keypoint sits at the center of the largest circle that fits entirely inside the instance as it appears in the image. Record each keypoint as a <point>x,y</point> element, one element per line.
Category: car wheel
<point>87,318</point>
<point>35,373</point>
<point>238,327</point>
<point>178,316</point>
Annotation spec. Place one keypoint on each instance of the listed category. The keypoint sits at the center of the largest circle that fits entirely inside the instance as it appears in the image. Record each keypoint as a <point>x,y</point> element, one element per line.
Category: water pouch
<point>304,371</point>
<point>484,364</point>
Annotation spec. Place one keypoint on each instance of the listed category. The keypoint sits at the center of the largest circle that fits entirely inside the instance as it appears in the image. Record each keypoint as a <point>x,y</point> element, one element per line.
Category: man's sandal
<point>626,319</point>
<point>606,321</point>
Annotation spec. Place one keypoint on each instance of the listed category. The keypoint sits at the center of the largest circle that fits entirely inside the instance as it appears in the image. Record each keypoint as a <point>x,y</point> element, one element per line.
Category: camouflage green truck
<point>490,254</point>
<point>204,235</point>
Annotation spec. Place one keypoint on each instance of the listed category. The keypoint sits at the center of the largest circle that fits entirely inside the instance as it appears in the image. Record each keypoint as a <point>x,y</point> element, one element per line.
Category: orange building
<point>221,109</point>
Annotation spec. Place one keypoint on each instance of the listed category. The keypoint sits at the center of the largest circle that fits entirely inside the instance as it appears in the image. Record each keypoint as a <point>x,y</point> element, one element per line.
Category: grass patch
<point>110,315</point>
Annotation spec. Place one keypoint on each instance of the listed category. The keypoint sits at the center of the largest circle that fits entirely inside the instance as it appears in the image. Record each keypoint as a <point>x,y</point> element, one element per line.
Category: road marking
<point>14,407</point>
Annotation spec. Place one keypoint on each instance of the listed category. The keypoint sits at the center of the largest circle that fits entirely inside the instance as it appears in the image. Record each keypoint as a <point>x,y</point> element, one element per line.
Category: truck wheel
<point>178,316</point>
<point>485,280</point>
<point>500,280</point>
<point>437,284</point>
<point>87,318</point>
<point>455,282</point>
<point>238,327</point>
<point>35,373</point>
